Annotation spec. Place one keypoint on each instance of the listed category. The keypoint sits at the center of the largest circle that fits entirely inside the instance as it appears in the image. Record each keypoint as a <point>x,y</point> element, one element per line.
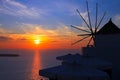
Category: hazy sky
<point>50,17</point>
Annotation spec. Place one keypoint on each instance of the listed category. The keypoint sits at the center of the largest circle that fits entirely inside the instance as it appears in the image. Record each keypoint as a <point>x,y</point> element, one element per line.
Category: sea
<point>29,62</point>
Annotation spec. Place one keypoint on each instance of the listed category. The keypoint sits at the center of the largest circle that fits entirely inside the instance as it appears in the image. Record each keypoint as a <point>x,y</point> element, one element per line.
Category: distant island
<point>9,55</point>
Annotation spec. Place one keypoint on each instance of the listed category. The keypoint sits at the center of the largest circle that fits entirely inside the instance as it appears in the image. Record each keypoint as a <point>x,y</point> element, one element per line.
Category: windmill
<point>92,30</point>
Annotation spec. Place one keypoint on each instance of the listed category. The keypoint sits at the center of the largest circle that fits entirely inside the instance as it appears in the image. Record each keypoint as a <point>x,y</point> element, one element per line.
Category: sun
<point>37,41</point>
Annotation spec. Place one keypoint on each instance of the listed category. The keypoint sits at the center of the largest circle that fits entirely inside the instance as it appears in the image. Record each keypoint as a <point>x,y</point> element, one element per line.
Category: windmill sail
<point>92,32</point>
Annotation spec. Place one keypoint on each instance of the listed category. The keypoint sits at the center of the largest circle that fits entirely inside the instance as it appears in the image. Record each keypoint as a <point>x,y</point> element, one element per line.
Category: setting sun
<point>37,41</point>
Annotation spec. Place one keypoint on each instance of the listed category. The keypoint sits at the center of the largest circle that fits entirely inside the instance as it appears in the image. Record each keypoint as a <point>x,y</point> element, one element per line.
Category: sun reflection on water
<point>36,66</point>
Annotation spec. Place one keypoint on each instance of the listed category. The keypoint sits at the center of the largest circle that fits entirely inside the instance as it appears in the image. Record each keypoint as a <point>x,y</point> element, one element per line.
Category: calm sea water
<point>28,64</point>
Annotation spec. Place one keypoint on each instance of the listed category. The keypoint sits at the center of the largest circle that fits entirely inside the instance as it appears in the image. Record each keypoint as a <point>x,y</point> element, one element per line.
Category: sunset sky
<point>23,21</point>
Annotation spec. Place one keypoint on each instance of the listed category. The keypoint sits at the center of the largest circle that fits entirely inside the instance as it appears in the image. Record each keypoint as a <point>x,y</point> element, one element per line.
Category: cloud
<point>117,19</point>
<point>36,29</point>
<point>27,28</point>
<point>27,31</point>
<point>5,38</point>
<point>66,7</point>
<point>61,29</point>
<point>14,3</point>
<point>1,30</point>
<point>85,15</point>
<point>22,39</point>
<point>5,31</point>
<point>15,8</point>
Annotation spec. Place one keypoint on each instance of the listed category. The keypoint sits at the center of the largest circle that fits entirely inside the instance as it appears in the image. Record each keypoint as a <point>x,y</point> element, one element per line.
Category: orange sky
<point>49,20</point>
<point>46,42</point>
<point>60,38</point>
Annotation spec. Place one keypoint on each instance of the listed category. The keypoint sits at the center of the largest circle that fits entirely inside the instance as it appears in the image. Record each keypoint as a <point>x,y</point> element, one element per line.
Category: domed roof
<point>109,28</point>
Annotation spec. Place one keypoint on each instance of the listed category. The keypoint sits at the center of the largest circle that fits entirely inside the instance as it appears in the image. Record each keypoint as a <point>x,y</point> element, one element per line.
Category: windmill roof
<point>109,28</point>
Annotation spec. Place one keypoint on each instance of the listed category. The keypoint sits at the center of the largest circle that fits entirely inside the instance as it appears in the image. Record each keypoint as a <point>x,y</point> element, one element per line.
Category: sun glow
<point>37,41</point>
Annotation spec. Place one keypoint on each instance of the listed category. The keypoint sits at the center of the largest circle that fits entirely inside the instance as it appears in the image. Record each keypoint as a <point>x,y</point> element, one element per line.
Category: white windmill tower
<point>106,42</point>
<point>107,47</point>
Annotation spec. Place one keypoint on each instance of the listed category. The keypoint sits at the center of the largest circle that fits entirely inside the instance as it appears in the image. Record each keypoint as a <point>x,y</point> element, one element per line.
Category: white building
<point>107,47</point>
